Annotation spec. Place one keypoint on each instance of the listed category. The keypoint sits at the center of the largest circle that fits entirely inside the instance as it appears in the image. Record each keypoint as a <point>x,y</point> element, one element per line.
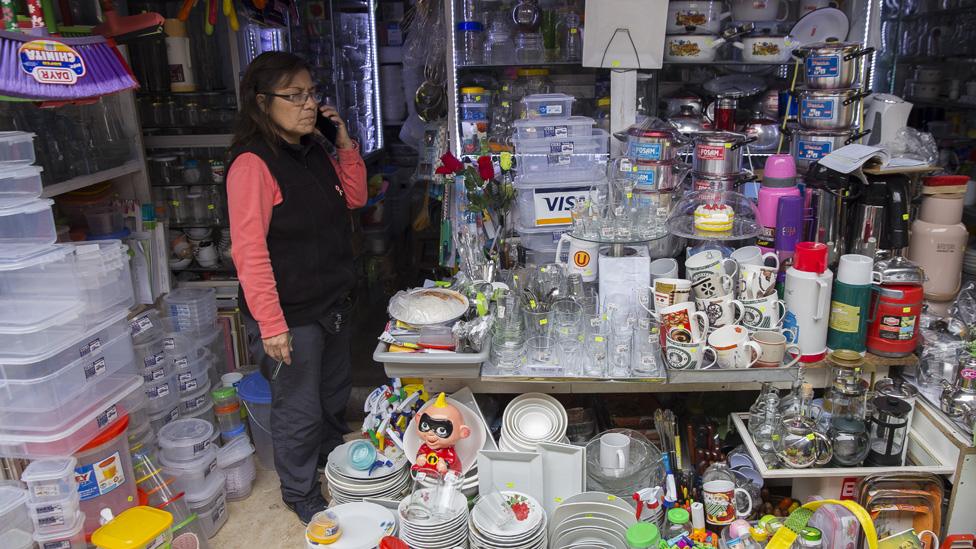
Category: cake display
<point>714,217</point>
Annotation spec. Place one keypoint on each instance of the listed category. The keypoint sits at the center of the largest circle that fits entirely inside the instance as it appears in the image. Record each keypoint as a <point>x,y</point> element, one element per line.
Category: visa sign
<point>552,206</point>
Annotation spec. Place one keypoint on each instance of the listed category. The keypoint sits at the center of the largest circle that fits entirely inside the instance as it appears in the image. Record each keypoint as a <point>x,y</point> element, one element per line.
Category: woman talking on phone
<point>289,189</point>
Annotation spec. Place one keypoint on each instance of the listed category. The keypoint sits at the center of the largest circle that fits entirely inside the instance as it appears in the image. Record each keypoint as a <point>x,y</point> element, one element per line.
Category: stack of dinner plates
<point>348,484</point>
<point>524,528</point>
<point>530,419</point>
<point>591,519</point>
<point>424,525</point>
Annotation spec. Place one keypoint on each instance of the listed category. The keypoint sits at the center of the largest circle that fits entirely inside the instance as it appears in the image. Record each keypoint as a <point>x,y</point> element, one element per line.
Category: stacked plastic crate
<point>560,159</point>
<point>67,375</point>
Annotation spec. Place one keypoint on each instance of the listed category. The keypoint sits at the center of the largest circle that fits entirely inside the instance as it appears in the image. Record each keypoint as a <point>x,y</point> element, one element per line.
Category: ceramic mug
<point>682,352</point>
<point>719,497</point>
<point>614,453</point>
<point>582,257</point>
<point>733,349</point>
<point>666,267</point>
<point>756,281</point>
<point>764,313</point>
<point>670,291</point>
<point>774,347</point>
<point>206,253</point>
<point>721,310</point>
<point>712,285</point>
<point>709,261</point>
<point>684,315</point>
<point>753,255</point>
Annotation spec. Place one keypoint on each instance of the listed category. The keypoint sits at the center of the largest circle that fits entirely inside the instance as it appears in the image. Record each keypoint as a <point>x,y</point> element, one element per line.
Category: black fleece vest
<point>309,236</point>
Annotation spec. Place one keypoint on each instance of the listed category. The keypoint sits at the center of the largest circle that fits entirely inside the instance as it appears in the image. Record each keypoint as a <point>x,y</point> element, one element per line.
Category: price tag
<point>543,322</point>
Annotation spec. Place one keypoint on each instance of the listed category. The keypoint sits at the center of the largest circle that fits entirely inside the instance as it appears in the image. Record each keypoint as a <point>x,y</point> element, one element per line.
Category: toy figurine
<point>440,426</point>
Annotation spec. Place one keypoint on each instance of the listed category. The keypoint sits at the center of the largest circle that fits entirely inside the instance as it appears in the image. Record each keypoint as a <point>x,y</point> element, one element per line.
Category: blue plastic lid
<point>121,235</point>
<point>239,430</point>
<point>255,389</point>
<point>469,26</point>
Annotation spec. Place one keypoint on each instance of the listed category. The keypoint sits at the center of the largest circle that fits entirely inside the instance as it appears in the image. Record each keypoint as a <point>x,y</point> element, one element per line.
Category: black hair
<point>268,71</point>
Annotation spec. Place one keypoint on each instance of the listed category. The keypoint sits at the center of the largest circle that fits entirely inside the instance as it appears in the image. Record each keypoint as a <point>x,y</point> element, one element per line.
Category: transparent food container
<point>550,204</point>
<point>573,126</point>
<point>25,226</point>
<point>195,375</point>
<point>50,480</point>
<point>72,537</point>
<point>22,183</point>
<point>548,105</point>
<point>185,439</point>
<point>13,511</point>
<point>210,505</point>
<point>191,477</point>
<point>16,149</point>
<point>163,394</point>
<point>557,155</point>
<point>56,515</point>
<point>192,403</point>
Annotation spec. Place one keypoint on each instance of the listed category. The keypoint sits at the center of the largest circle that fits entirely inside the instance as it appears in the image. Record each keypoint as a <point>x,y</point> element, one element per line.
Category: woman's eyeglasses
<point>298,98</point>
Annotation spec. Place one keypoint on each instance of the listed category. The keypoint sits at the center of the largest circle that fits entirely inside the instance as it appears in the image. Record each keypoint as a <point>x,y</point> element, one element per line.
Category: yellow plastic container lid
<point>134,528</point>
<point>603,102</point>
<point>533,72</point>
<point>472,89</point>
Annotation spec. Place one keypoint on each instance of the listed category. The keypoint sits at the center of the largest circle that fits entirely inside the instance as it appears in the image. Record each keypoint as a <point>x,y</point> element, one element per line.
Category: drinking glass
<point>508,348</point>
<point>493,507</point>
<point>541,351</point>
<point>597,348</point>
<point>569,353</point>
<point>621,347</point>
<point>647,350</point>
<point>538,323</point>
<point>567,315</point>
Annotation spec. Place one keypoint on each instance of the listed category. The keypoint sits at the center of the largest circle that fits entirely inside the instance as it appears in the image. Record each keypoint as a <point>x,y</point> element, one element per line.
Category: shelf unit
<point>132,167</point>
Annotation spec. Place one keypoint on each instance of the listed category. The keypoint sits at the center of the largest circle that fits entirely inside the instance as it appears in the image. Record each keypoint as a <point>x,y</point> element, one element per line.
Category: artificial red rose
<point>485,168</point>
<point>450,164</point>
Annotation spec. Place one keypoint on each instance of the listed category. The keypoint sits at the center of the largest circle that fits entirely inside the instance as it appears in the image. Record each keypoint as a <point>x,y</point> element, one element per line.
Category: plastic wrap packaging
<point>911,143</point>
<point>474,332</point>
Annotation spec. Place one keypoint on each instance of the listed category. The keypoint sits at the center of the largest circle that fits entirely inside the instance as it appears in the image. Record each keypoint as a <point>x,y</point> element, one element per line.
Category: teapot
<point>959,400</point>
<point>798,443</point>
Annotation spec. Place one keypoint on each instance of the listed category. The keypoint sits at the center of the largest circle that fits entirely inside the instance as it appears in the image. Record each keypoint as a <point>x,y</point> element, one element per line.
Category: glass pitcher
<point>799,445</point>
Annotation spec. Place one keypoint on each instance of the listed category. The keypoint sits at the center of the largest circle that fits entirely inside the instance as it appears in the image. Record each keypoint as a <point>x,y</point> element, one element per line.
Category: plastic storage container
<point>145,326</point>
<point>193,402</point>
<point>47,273</point>
<point>236,460</point>
<point>550,204</point>
<point>103,274</point>
<point>574,126</point>
<point>205,413</point>
<point>183,348</point>
<point>185,439</point>
<point>556,155</point>
<point>13,510</point>
<point>137,528</point>
<point>16,539</point>
<point>540,243</point>
<point>163,394</point>
<point>104,220</point>
<point>255,393</point>
<point>191,476</point>
<point>161,418</point>
<point>72,537</point>
<point>187,530</point>
<point>150,354</point>
<point>548,105</point>
<point>54,516</point>
<point>210,505</point>
<point>104,466</point>
<point>23,182</point>
<point>194,375</point>
<point>52,389</point>
<point>25,225</point>
<point>50,479</point>
<point>16,149</point>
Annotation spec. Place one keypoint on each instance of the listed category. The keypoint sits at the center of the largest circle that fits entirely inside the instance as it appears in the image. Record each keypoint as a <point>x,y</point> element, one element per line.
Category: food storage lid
<point>603,102</point>
<point>18,206</point>
<point>190,295</point>
<point>212,489</point>
<point>678,516</point>
<point>133,528</point>
<point>71,531</point>
<point>49,469</point>
<point>234,451</point>
<point>533,72</point>
<point>945,180</point>
<point>184,433</point>
<point>11,497</point>
<point>810,533</point>
<point>820,25</point>
<point>46,255</point>
<point>199,462</point>
<point>16,136</point>
<point>643,534</point>
<point>255,389</point>
<point>472,89</point>
<point>779,171</point>
<point>830,47</point>
<point>28,316</point>
<point>470,26</point>
<point>224,393</point>
<point>235,432</point>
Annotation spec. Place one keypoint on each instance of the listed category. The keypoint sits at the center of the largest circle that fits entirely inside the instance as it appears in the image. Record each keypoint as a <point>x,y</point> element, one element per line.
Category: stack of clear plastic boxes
<point>67,367</point>
<point>16,527</point>
<point>53,502</point>
<point>561,158</point>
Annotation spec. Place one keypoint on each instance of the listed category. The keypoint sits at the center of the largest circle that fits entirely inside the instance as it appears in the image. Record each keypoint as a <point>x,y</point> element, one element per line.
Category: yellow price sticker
<point>611,498</point>
<point>509,485</point>
<point>906,309</point>
<point>598,339</point>
<point>558,500</point>
<point>615,64</point>
<point>904,217</point>
<point>811,436</point>
<point>544,321</point>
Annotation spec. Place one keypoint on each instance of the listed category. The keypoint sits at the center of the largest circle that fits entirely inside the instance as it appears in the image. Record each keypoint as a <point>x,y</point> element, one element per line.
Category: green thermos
<point>850,300</point>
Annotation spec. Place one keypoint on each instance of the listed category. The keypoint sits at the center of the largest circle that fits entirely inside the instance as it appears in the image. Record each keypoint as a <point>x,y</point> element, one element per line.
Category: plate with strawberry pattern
<point>529,514</point>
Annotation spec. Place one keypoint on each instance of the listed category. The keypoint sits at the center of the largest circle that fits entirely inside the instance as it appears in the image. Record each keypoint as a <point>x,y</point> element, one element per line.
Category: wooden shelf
<point>75,183</point>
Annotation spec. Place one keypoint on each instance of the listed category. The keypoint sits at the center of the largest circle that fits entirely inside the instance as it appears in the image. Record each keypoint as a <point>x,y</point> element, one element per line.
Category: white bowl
<point>180,264</point>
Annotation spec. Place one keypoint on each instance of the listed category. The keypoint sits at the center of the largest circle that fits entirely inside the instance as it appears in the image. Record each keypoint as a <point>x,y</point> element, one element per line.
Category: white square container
<point>50,480</point>
<point>16,149</point>
<point>22,182</point>
<point>538,128</point>
<point>54,516</point>
<point>549,204</point>
<point>548,105</point>
<point>72,537</point>
<point>40,391</point>
<point>73,426</point>
<point>557,156</point>
<point>25,226</point>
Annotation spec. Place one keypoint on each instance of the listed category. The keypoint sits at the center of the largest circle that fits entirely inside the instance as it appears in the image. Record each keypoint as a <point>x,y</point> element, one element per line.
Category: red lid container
<point>810,257</point>
<point>945,180</point>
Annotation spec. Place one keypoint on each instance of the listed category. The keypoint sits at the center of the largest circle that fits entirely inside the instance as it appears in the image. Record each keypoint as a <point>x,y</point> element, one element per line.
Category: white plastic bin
<point>16,149</point>
<point>23,182</point>
<point>185,439</point>
<point>61,434</point>
<point>25,226</point>
<point>49,390</point>
<point>194,375</point>
<point>538,128</point>
<point>548,105</point>
<point>72,537</point>
<point>191,476</point>
<point>562,155</point>
<point>210,505</point>
<point>50,517</point>
<point>549,204</point>
<point>50,480</point>
<point>236,460</point>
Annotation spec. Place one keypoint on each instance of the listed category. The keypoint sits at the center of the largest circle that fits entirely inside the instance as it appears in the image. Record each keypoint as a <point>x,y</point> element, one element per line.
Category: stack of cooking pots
<point>717,161</point>
<point>652,152</point>
<point>828,101</point>
<point>693,30</point>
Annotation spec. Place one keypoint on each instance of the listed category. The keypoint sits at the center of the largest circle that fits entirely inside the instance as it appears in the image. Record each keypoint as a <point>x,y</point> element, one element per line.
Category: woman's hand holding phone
<point>342,139</point>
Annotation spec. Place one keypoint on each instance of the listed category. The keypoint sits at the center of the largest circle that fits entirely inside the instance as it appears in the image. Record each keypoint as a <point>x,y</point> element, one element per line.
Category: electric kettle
<point>884,115</point>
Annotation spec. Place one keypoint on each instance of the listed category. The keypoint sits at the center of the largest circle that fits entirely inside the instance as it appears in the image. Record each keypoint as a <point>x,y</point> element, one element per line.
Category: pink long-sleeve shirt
<point>252,193</point>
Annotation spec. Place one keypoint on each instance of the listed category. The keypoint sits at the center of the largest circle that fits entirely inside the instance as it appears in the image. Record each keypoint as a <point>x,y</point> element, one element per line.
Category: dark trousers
<point>308,404</point>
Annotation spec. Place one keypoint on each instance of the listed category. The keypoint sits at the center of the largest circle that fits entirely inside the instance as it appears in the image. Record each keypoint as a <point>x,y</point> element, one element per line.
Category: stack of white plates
<point>969,261</point>
<point>364,525</point>
<point>530,419</point>
<point>591,519</point>
<point>347,484</point>
<point>527,531</point>
<point>434,533</point>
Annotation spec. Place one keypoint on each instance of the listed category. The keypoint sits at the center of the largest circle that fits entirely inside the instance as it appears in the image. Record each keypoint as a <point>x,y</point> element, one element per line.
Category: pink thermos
<point>779,180</point>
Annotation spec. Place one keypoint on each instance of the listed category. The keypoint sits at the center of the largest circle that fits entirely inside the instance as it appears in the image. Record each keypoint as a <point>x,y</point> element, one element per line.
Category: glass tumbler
<point>569,353</point>
<point>567,315</point>
<point>541,351</point>
<point>597,348</point>
<point>647,354</point>
<point>538,323</point>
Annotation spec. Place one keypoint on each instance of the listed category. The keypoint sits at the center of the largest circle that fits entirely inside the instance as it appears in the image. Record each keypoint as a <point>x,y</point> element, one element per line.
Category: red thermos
<point>893,324</point>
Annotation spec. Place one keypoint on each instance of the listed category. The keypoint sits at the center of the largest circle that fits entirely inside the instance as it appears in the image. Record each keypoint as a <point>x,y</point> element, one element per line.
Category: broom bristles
<point>106,72</point>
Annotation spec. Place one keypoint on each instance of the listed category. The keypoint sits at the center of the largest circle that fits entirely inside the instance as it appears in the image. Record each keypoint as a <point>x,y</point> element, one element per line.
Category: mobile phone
<point>328,128</point>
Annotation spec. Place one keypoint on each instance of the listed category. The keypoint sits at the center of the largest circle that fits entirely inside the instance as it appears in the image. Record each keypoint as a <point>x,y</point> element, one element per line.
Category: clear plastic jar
<point>529,48</point>
<point>678,523</point>
<point>471,35</point>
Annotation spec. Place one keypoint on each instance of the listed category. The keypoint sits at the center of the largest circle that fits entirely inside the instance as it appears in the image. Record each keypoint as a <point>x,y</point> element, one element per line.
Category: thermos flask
<point>849,304</point>
<point>807,296</point>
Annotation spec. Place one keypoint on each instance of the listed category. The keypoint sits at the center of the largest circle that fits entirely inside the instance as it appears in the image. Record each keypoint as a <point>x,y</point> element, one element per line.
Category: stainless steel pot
<point>718,153</point>
<point>809,146</point>
<point>765,130</point>
<point>828,109</point>
<point>700,182</point>
<point>654,176</point>
<point>688,121</point>
<point>652,145</point>
<point>832,65</point>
